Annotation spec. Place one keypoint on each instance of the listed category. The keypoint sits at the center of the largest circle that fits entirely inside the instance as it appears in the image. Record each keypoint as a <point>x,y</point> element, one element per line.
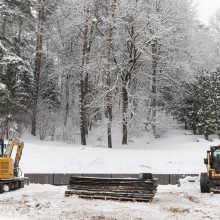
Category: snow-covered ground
<point>175,153</point>
<point>46,202</point>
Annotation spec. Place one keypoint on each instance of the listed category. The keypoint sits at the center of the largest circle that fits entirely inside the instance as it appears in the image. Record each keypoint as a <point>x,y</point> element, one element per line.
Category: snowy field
<point>175,153</point>
<point>46,202</point>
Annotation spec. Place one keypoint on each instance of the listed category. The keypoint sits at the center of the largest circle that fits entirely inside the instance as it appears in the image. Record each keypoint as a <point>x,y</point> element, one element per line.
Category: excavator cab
<point>215,159</point>
<point>210,181</point>
<point>1,147</point>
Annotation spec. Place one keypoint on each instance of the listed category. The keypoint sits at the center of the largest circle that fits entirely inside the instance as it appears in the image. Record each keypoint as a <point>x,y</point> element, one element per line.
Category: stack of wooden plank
<point>125,189</point>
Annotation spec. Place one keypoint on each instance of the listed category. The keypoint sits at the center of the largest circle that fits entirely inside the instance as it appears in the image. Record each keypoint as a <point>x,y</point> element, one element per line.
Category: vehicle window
<point>216,154</point>
<point>216,158</point>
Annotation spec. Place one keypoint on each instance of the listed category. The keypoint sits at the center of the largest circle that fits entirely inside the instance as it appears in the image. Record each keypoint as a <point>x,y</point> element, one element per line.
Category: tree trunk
<point>194,129</point>
<point>82,112</point>
<point>4,27</point>
<point>108,111</point>
<point>206,136</point>
<point>134,55</point>
<point>186,124</point>
<point>67,101</point>
<point>7,126</point>
<point>124,113</point>
<point>7,119</point>
<point>82,85</point>
<point>86,85</point>
<point>154,88</point>
<point>38,60</point>
<point>18,43</point>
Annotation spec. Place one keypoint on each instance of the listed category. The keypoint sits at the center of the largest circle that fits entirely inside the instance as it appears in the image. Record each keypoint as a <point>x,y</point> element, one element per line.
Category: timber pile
<point>125,189</point>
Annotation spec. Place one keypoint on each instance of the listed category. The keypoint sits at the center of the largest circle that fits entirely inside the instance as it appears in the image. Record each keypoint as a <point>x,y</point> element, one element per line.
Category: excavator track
<point>8,185</point>
<point>125,189</point>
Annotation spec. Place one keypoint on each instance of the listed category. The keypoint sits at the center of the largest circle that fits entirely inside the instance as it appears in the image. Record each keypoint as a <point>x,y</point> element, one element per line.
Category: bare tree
<point>112,6</point>
<point>38,62</point>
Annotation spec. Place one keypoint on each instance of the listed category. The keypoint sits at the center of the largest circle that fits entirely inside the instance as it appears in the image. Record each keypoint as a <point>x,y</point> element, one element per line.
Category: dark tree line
<point>199,108</point>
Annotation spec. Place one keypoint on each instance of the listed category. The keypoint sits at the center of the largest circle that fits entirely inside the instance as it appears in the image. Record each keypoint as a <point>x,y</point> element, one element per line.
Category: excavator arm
<point>9,149</point>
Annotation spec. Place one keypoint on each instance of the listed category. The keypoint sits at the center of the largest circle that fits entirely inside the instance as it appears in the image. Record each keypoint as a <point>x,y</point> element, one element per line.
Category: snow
<point>175,153</point>
<point>95,20</point>
<point>46,202</point>
<point>2,86</point>
<point>2,46</point>
<point>12,58</point>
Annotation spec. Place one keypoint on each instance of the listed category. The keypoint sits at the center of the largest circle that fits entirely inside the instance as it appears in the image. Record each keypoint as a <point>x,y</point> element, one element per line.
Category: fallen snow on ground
<point>46,202</point>
<point>175,153</point>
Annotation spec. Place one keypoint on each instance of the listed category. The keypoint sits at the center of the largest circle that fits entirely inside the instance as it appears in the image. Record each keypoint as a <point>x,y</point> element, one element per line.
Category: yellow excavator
<point>10,173</point>
<point>210,181</point>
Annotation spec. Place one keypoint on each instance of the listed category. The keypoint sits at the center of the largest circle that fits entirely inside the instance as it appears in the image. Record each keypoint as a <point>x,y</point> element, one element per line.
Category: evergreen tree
<point>215,90</point>
<point>15,68</point>
<point>206,115</point>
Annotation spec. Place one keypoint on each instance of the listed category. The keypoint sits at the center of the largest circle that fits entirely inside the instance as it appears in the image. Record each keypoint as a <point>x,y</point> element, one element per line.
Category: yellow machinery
<point>210,181</point>
<point>9,168</point>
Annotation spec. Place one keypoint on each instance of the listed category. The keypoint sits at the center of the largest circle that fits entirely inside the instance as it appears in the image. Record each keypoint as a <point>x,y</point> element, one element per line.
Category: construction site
<point>90,194</point>
<point>109,109</point>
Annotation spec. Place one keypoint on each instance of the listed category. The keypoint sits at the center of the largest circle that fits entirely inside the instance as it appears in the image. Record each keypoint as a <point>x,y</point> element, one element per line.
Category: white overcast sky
<point>207,8</point>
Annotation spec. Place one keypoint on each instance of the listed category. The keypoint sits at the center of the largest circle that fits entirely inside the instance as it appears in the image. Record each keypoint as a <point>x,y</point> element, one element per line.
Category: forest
<point>70,69</point>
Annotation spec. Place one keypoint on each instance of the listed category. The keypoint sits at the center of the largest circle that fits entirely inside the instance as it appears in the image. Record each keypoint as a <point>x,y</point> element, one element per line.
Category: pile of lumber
<point>126,189</point>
